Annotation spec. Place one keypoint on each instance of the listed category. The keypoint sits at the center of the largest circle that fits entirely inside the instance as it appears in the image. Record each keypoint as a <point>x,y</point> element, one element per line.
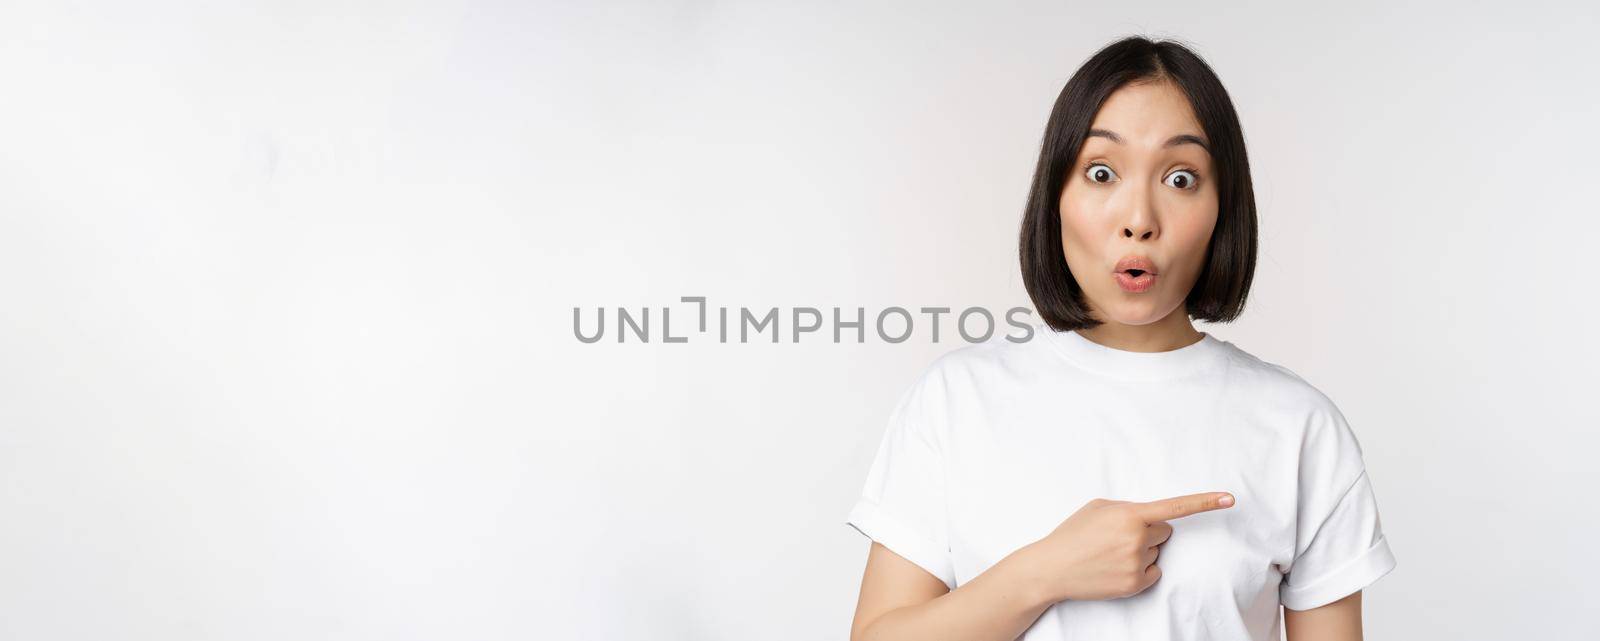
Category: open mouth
<point>1134,280</point>
<point>1134,275</point>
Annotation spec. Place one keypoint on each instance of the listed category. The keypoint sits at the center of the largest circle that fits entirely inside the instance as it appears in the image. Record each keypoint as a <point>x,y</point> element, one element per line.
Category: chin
<point>1134,313</point>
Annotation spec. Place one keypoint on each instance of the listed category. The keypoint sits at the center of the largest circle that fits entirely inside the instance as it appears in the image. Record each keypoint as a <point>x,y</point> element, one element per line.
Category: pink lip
<point>1134,262</point>
<point>1131,283</point>
<point>1135,284</point>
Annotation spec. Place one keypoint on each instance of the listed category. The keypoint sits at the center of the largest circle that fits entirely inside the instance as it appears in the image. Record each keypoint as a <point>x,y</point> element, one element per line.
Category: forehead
<point>1148,111</point>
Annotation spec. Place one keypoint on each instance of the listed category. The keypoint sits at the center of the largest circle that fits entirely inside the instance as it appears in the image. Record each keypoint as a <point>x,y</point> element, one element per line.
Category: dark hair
<point>1224,282</point>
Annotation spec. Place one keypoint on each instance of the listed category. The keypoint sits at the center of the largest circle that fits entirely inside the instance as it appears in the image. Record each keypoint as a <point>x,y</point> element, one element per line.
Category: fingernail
<point>1226,500</point>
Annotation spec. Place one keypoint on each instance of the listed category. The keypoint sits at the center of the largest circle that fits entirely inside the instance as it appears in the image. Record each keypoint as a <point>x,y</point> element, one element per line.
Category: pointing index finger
<point>1181,506</point>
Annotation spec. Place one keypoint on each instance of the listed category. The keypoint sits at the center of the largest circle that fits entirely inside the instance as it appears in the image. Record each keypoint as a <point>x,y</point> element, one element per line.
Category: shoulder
<point>998,361</point>
<point>1276,386</point>
<point>971,374</point>
<point>1319,425</point>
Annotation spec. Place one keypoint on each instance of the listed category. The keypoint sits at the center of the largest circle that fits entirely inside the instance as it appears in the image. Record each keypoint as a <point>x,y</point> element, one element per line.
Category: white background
<point>286,298</point>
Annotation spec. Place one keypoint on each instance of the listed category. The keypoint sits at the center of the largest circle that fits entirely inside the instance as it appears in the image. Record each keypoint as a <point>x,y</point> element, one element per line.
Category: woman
<point>1123,475</point>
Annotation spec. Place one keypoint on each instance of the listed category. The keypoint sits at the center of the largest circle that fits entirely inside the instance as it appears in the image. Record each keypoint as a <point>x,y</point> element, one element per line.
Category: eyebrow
<point>1181,139</point>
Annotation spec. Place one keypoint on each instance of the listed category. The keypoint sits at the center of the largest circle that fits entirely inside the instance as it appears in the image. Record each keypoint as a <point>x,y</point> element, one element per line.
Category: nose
<point>1141,219</point>
<point>1142,232</point>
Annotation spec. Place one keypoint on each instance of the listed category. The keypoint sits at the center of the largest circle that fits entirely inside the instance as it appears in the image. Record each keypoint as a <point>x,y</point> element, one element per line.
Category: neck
<point>1172,332</point>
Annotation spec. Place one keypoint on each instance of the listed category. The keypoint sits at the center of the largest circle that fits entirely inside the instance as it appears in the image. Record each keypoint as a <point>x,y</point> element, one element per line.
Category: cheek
<point>1080,217</point>
<point>1191,229</point>
<point>1192,225</point>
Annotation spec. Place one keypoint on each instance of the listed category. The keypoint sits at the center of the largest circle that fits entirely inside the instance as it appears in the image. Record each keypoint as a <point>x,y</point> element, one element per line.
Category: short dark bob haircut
<point>1219,293</point>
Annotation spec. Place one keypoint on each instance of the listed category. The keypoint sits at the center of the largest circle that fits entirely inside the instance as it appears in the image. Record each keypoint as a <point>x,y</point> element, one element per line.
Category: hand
<point>1107,549</point>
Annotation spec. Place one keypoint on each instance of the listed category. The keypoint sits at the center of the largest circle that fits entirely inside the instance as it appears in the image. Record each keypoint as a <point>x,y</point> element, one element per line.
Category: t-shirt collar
<point>1143,366</point>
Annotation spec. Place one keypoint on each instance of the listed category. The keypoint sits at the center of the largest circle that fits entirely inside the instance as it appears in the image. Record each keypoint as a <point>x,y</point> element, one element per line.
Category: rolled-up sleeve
<point>1340,545</point>
<point>903,504</point>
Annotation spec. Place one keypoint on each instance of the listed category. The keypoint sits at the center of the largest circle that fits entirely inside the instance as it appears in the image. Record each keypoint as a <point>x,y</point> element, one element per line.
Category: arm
<point>902,601</point>
<point>1337,621</point>
<point>1105,550</point>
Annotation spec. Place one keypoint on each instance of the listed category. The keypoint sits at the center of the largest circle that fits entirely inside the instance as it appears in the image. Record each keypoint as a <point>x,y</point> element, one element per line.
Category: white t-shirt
<point>998,443</point>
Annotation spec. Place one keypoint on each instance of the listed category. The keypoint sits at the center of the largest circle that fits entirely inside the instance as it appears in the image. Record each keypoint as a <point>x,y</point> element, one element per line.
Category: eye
<point>1182,179</point>
<point>1099,173</point>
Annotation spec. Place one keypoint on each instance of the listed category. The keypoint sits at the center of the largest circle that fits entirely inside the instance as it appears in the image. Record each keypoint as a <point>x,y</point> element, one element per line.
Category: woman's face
<point>1142,188</point>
